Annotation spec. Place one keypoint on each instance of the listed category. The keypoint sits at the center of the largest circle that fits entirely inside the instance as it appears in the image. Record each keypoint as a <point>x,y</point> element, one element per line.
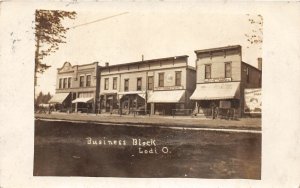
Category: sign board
<point>252,103</point>
<point>217,80</point>
<point>169,88</point>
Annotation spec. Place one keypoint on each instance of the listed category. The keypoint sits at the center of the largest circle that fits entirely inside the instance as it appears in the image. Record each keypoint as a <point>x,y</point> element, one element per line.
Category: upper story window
<point>65,82</point>
<point>81,81</point>
<point>228,70</point>
<point>139,84</point>
<point>106,82</point>
<point>161,79</point>
<point>60,83</point>
<point>88,80</point>
<point>69,82</point>
<point>115,82</point>
<point>126,84</point>
<point>207,71</point>
<point>150,82</point>
<point>178,78</point>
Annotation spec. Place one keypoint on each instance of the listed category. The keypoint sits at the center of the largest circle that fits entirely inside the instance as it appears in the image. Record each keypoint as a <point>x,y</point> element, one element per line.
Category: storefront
<point>164,102</point>
<point>61,101</point>
<point>217,99</point>
<point>84,103</point>
<point>109,103</point>
<point>133,102</point>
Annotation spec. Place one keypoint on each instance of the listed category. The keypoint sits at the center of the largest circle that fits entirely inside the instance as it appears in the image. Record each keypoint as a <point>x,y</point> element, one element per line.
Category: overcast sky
<point>155,34</point>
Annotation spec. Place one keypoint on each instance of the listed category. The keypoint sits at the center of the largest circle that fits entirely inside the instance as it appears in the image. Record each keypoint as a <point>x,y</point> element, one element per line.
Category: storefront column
<point>152,108</point>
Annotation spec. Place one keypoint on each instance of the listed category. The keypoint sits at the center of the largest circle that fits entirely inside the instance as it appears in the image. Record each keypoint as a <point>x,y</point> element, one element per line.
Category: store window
<point>207,71</point>
<point>106,83</point>
<point>81,81</point>
<point>88,80</point>
<point>139,84</point>
<point>227,70</point>
<point>161,79</point>
<point>178,78</point>
<point>115,82</point>
<point>150,82</point>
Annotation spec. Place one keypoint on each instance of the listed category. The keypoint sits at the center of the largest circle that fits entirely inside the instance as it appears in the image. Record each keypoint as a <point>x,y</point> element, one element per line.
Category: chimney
<point>142,57</point>
<point>106,64</point>
<point>259,63</point>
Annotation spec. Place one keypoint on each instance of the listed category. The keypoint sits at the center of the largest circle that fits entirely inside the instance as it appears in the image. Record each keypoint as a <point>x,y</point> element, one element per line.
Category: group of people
<point>43,108</point>
<point>217,112</point>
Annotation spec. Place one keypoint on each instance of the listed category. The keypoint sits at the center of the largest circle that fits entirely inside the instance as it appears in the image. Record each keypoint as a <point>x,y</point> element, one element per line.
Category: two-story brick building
<point>77,87</point>
<point>154,86</point>
<point>222,77</point>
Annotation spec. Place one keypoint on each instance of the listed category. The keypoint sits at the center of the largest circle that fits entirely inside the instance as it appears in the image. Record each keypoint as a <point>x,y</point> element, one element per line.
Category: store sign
<point>217,80</point>
<point>169,88</point>
<point>252,101</point>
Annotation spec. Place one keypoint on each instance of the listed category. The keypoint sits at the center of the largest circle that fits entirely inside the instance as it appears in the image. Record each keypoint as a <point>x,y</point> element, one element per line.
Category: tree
<point>49,33</point>
<point>256,33</point>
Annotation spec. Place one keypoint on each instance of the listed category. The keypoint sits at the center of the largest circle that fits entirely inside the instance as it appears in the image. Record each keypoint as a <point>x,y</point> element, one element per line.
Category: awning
<point>172,96</point>
<point>59,98</point>
<point>83,100</point>
<point>139,93</point>
<point>215,91</point>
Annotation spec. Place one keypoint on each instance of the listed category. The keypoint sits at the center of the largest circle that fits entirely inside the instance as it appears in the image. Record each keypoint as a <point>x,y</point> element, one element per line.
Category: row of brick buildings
<point>159,86</point>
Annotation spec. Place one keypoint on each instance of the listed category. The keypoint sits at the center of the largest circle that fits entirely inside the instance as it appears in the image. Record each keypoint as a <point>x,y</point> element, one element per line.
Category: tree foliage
<point>255,36</point>
<point>43,98</point>
<point>49,33</point>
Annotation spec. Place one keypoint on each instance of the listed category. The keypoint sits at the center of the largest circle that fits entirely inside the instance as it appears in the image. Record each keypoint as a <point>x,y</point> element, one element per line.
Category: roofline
<point>144,61</point>
<point>251,66</point>
<point>73,66</point>
<point>218,49</point>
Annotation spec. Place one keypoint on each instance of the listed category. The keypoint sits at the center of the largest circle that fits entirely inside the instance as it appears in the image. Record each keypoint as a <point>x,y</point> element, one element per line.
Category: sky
<point>153,34</point>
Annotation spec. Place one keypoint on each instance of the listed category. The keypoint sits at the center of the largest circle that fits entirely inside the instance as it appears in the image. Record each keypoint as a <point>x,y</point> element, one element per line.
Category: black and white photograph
<point>147,94</point>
